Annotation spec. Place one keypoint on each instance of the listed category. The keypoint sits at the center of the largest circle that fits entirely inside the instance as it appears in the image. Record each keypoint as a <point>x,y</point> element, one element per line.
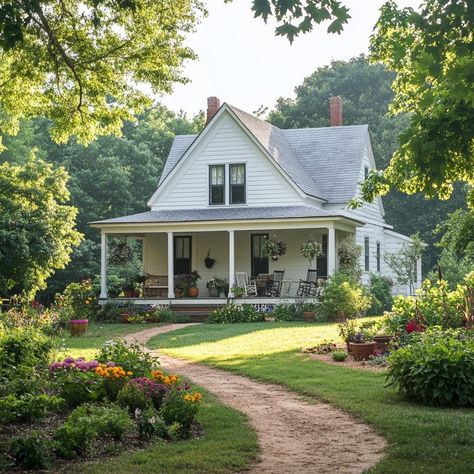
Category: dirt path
<point>294,436</point>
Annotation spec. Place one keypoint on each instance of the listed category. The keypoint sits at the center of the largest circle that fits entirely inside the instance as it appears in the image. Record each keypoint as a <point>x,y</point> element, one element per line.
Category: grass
<point>421,439</point>
<point>96,335</point>
<point>229,443</point>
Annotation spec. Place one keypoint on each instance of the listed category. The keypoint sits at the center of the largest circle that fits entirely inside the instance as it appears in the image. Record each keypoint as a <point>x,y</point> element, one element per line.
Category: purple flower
<point>69,360</point>
<point>110,364</point>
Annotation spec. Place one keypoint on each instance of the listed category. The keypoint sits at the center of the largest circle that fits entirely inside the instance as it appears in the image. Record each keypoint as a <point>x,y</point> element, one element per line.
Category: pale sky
<point>242,62</point>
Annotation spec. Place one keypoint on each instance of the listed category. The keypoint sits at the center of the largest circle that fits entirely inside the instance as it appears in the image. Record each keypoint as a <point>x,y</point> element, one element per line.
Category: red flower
<point>414,326</point>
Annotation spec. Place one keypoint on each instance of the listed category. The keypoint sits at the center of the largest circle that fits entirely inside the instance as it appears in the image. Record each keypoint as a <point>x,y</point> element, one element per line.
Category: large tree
<point>37,231</point>
<point>366,93</point>
<point>79,62</point>
<point>112,176</point>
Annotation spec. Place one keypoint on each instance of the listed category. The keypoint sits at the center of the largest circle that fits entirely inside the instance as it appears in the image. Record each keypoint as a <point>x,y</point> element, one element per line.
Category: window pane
<point>237,174</point>
<point>237,194</point>
<point>367,256</point>
<point>217,175</point>
<point>217,195</point>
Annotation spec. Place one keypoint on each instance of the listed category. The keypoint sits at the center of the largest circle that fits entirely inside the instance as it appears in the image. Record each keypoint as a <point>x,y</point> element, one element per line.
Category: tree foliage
<point>299,16</point>
<point>37,232</point>
<point>432,53</point>
<point>78,62</point>
<point>404,262</point>
<point>112,176</point>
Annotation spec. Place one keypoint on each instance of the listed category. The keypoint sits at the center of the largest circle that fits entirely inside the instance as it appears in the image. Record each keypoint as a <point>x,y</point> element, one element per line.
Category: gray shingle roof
<point>222,214</point>
<point>323,162</point>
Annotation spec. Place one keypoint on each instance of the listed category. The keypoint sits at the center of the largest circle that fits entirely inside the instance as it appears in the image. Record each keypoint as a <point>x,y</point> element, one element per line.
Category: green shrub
<point>27,407</point>
<point>437,368</point>
<point>339,355</point>
<point>77,387</point>
<point>149,424</point>
<point>79,300</point>
<point>235,313</point>
<point>108,420</point>
<point>71,440</point>
<point>342,297</point>
<point>435,305</point>
<point>31,452</point>
<point>288,312</point>
<point>108,313</point>
<point>131,357</point>
<point>132,398</point>
<point>381,293</point>
<point>176,410</point>
<point>25,347</point>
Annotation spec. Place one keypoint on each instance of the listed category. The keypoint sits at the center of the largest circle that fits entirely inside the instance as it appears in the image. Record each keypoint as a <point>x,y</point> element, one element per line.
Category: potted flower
<point>78,327</point>
<point>309,313</point>
<point>238,291</point>
<point>192,278</point>
<point>311,250</point>
<point>180,282</point>
<point>362,347</point>
<point>128,289</point>
<point>273,249</point>
<point>347,332</point>
<point>214,287</point>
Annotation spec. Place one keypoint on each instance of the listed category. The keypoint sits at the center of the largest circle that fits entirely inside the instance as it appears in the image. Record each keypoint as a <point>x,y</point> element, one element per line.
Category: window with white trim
<point>378,257</point>
<point>367,253</point>
<point>237,184</point>
<point>216,184</point>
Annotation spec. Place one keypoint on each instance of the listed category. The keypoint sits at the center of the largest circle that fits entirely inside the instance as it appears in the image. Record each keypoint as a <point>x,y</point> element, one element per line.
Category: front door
<point>259,262</point>
<point>322,261</point>
<point>182,254</point>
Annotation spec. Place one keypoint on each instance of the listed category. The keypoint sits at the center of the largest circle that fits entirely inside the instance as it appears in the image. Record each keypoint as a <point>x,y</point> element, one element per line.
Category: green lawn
<point>421,439</point>
<point>96,335</point>
<point>229,443</point>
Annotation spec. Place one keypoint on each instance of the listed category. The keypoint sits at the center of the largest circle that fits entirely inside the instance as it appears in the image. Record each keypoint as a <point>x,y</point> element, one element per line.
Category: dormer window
<point>237,184</point>
<point>217,184</point>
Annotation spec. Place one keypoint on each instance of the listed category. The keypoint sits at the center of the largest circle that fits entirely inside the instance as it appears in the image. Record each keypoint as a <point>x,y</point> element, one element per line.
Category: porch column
<point>231,262</point>
<point>103,264</point>
<point>331,250</point>
<point>170,265</point>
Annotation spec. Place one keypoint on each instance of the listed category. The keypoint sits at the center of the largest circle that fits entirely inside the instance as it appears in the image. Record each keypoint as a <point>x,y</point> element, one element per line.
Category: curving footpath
<point>295,436</point>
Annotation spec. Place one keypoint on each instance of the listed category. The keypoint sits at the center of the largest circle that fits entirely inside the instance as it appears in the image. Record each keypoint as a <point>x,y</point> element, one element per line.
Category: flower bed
<point>75,409</point>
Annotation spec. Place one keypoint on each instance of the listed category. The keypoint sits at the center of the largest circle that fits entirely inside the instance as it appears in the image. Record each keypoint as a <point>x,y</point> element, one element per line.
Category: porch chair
<point>309,286</point>
<point>242,279</point>
<point>273,287</point>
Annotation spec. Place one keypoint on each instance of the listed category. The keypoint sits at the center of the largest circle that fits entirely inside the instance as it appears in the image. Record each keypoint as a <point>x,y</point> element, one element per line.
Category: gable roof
<point>323,162</point>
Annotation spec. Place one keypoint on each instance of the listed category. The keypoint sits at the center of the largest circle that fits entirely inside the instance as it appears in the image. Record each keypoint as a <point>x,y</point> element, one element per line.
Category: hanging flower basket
<point>273,249</point>
<point>78,327</point>
<point>208,261</point>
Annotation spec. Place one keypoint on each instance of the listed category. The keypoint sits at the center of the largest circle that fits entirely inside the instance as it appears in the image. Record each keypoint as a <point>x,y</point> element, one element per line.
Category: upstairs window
<point>367,254</point>
<point>366,172</point>
<point>217,184</point>
<point>237,184</point>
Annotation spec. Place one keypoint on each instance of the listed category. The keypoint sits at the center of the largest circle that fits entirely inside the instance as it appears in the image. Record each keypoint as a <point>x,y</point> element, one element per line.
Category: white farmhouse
<point>241,180</point>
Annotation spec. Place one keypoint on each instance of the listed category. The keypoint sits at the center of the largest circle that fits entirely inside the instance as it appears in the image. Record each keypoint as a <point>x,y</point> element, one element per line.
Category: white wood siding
<point>226,143</point>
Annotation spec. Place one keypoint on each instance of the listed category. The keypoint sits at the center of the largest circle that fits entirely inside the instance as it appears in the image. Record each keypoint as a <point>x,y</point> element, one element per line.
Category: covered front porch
<point>224,250</point>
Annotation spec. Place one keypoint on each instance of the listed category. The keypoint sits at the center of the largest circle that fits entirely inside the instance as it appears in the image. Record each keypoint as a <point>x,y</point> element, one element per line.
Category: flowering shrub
<point>288,312</point>
<point>235,313</point>
<point>130,357</point>
<point>180,410</point>
<point>78,300</point>
<point>342,297</point>
<point>436,368</point>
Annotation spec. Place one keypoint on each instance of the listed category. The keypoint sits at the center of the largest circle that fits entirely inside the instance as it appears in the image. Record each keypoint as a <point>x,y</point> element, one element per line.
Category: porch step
<point>196,313</point>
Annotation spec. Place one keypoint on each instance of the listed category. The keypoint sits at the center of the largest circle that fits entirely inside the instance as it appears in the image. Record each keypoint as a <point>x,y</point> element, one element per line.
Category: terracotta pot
<point>309,315</point>
<point>381,343</point>
<point>178,293</point>
<point>362,350</point>
<point>124,317</point>
<point>193,292</point>
<point>136,293</point>
<point>78,327</point>
<point>128,293</point>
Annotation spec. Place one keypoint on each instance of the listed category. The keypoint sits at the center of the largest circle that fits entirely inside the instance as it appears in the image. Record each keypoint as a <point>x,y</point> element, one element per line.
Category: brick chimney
<point>213,105</point>
<point>335,111</point>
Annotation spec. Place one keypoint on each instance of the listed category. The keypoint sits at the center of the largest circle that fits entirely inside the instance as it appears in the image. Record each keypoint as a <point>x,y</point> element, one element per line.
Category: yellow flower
<point>129,373</point>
